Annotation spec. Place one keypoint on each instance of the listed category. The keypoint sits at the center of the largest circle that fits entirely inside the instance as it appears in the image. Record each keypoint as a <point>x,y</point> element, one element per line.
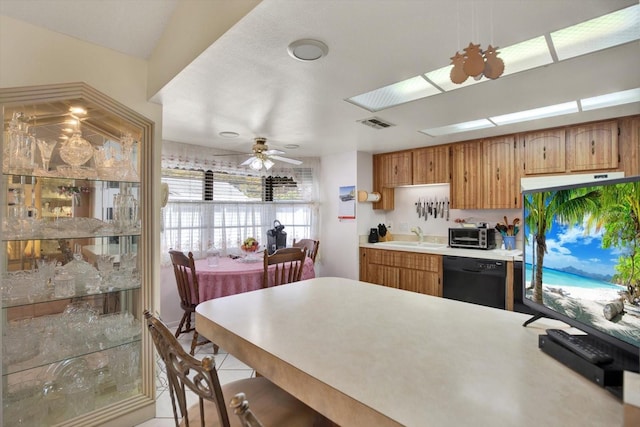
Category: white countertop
<point>494,254</point>
<point>367,355</point>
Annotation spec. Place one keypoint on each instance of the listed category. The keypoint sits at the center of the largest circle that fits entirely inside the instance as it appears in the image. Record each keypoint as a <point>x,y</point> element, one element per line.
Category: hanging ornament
<point>457,74</point>
<point>473,63</point>
<point>493,66</point>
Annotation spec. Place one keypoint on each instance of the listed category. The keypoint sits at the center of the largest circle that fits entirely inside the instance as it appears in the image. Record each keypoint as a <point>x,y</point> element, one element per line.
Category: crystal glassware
<point>76,151</point>
<point>46,149</point>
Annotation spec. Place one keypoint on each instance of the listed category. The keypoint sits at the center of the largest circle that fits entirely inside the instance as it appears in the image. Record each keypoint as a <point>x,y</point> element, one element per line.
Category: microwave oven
<point>472,238</point>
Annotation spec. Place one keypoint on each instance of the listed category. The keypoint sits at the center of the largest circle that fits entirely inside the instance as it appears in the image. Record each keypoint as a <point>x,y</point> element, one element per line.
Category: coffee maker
<point>373,236</point>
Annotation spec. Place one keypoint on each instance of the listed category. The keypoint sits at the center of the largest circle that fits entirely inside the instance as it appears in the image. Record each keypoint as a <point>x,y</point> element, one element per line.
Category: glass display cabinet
<point>74,262</point>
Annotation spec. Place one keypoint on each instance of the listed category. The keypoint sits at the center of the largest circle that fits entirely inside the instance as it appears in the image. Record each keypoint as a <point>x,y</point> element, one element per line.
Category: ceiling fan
<point>263,156</point>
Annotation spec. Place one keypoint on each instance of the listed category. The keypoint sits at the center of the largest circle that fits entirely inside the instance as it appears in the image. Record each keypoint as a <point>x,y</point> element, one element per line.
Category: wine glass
<point>46,148</point>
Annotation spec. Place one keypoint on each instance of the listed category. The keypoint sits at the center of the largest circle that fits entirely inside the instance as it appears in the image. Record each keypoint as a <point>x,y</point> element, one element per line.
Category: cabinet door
<point>387,199</point>
<point>593,147</point>
<point>398,169</point>
<point>543,152</point>
<point>431,165</point>
<point>466,167</point>
<point>501,177</point>
<point>423,282</point>
<point>629,143</point>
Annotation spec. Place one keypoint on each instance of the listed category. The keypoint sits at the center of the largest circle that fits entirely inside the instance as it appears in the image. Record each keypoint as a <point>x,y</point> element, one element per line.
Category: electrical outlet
<point>389,226</point>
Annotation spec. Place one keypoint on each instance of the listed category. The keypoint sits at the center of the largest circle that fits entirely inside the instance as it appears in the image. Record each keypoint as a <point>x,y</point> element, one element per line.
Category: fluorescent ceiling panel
<point>395,94</point>
<point>611,99</point>
<point>536,113</point>
<point>525,55</point>
<point>458,127</point>
<point>610,30</point>
<point>442,78</point>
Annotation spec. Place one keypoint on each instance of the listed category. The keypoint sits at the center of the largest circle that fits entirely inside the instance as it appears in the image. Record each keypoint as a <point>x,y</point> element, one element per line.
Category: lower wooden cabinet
<point>410,271</point>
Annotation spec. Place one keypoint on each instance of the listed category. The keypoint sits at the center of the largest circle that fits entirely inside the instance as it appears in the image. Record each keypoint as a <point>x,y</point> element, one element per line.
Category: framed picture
<point>347,202</point>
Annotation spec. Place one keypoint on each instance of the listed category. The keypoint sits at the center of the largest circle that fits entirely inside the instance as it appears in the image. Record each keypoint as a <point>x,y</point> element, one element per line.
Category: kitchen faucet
<point>418,232</point>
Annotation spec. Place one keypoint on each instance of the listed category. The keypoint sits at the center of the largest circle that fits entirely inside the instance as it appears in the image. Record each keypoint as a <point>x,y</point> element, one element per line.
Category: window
<point>225,207</point>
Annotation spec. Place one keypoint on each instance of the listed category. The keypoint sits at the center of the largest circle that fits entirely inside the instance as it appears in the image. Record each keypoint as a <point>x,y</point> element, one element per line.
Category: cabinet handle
<point>431,166</point>
<point>498,174</point>
<point>544,153</point>
<point>465,176</point>
<point>395,170</point>
<point>593,147</point>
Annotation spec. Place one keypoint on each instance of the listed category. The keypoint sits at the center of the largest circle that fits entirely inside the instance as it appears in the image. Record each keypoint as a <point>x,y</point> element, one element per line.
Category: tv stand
<point>608,376</point>
<point>533,319</point>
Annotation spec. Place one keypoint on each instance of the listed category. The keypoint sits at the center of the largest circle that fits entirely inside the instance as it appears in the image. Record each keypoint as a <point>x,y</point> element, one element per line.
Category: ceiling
<point>246,82</point>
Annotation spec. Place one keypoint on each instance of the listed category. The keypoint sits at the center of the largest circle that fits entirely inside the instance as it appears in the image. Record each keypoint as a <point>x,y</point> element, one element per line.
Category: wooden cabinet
<point>543,152</point>
<point>74,347</point>
<point>629,144</point>
<point>500,175</point>
<point>397,167</point>
<point>410,271</point>
<point>431,165</point>
<point>592,147</point>
<point>466,175</point>
<point>387,199</point>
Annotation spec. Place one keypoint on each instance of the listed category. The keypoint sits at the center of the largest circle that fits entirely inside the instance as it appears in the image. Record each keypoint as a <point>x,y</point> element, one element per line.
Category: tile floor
<point>229,369</point>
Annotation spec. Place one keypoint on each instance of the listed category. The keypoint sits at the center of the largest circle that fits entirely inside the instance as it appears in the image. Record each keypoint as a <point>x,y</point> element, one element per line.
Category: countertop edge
<point>493,254</point>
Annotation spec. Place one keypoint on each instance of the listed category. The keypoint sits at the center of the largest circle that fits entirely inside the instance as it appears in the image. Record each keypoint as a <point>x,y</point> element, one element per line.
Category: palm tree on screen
<point>567,207</point>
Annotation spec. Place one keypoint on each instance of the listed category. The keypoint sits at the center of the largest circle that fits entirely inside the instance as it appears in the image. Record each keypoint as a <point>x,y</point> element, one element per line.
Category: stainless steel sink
<point>411,244</point>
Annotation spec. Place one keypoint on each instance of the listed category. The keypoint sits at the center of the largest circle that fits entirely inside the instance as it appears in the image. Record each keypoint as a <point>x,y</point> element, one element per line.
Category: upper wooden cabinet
<point>431,165</point>
<point>592,147</point>
<point>387,199</point>
<point>629,145</point>
<point>397,167</point>
<point>500,175</point>
<point>466,175</point>
<point>543,152</point>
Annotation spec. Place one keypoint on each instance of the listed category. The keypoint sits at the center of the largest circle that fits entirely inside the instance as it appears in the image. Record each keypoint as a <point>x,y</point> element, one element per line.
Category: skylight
<point>395,94</point>
<point>616,28</point>
<point>611,99</point>
<point>536,113</point>
<point>458,127</point>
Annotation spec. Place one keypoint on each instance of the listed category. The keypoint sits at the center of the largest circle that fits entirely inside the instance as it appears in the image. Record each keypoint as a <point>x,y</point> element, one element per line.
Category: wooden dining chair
<point>270,405</point>
<point>184,268</point>
<point>310,246</point>
<point>288,263</point>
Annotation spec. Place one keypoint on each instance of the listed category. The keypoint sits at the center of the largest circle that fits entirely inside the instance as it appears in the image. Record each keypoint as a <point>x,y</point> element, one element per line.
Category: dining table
<point>236,275</point>
<point>369,355</point>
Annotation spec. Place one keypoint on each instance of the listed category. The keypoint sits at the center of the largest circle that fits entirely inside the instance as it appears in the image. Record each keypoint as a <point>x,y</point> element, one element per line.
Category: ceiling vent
<point>376,123</point>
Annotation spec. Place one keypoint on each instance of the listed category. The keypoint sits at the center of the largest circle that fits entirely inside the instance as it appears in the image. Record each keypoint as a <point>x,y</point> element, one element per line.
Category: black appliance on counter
<point>472,238</point>
<point>478,281</point>
<point>373,236</point>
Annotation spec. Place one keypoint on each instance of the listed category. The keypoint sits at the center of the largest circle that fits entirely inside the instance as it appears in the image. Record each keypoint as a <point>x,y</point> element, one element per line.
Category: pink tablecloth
<point>234,276</point>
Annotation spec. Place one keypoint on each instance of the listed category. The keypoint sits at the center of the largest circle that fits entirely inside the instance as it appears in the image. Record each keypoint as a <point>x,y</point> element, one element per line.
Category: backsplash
<point>405,215</point>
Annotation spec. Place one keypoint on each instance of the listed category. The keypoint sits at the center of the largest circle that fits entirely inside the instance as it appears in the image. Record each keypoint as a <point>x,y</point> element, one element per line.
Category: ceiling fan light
<point>268,164</point>
<point>256,164</point>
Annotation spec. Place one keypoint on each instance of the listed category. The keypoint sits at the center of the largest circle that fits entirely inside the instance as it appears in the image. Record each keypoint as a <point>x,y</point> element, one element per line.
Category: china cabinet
<point>75,262</point>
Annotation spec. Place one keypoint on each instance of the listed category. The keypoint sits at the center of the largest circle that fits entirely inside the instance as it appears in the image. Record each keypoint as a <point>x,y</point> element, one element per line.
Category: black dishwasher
<point>474,280</point>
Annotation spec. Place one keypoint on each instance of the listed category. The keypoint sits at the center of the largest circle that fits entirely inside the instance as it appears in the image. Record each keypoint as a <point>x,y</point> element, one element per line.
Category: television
<point>581,256</point>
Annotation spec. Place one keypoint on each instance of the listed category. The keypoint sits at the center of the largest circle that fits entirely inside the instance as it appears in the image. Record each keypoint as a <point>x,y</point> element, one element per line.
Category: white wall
<point>338,241</point>
<point>404,216</point>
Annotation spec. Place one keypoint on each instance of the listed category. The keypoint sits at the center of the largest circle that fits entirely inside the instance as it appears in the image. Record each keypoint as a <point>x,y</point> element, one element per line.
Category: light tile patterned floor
<point>229,369</point>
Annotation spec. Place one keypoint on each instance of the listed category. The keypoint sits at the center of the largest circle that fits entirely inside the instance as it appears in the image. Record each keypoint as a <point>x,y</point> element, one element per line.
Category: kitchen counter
<point>441,249</point>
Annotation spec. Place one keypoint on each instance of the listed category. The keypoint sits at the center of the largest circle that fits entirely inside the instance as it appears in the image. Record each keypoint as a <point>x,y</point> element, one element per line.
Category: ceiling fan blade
<point>286,160</point>
<point>248,161</point>
<point>272,152</point>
